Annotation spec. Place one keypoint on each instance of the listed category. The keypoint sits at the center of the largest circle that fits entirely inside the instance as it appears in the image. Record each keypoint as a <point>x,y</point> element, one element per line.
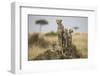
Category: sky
<point>68,22</point>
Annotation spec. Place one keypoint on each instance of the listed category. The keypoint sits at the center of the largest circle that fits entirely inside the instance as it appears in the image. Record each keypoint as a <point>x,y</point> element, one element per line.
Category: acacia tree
<point>76,28</point>
<point>41,22</point>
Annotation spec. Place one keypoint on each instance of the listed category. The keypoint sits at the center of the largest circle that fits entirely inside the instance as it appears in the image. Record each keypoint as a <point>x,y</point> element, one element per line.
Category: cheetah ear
<point>72,31</point>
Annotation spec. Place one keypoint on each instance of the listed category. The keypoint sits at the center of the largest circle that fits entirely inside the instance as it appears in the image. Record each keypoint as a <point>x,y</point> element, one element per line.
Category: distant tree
<point>76,27</point>
<point>41,22</point>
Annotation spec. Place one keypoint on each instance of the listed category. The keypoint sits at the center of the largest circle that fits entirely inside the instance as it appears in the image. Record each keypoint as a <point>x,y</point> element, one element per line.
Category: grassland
<point>39,43</point>
<point>80,40</point>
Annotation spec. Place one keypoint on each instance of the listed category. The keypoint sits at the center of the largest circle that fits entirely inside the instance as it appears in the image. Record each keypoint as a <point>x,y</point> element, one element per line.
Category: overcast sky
<point>68,21</point>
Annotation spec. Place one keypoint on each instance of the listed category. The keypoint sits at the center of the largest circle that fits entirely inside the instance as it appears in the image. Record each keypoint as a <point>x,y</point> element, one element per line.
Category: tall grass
<point>80,40</point>
<point>39,43</point>
<point>51,33</point>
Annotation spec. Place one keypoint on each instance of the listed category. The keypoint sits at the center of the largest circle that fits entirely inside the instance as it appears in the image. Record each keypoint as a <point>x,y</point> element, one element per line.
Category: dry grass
<point>81,42</point>
<point>34,51</point>
<point>36,45</point>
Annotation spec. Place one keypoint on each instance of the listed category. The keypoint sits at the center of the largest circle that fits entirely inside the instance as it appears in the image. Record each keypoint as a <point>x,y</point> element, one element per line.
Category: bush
<point>38,40</point>
<point>51,34</point>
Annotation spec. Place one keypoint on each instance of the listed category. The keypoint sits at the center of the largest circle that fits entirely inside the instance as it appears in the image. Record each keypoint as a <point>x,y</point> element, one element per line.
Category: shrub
<point>51,34</point>
<point>38,40</point>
